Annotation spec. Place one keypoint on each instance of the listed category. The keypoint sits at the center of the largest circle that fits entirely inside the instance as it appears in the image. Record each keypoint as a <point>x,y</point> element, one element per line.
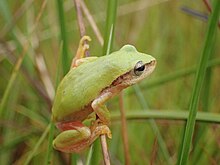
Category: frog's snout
<point>152,62</point>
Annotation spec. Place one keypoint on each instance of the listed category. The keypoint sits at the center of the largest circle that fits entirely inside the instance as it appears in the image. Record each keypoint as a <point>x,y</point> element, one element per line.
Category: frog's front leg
<point>76,137</point>
<point>100,109</point>
<point>98,104</point>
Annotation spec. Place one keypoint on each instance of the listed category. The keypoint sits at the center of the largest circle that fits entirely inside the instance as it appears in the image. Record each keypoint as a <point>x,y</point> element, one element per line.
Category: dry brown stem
<point>80,22</point>
<point>105,150</point>
<point>124,130</point>
<point>92,22</point>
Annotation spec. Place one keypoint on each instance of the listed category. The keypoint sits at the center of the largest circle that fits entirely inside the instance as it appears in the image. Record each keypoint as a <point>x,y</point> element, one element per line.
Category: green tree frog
<point>79,109</point>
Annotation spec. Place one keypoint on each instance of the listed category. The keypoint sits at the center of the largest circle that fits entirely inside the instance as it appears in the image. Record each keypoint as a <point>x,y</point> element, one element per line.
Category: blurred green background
<point>170,30</point>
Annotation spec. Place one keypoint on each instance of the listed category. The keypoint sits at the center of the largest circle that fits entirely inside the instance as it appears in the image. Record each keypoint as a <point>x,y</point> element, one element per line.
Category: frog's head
<point>138,66</point>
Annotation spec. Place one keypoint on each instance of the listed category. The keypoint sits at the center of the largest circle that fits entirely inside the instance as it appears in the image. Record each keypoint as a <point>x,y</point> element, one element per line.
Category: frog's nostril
<point>152,62</point>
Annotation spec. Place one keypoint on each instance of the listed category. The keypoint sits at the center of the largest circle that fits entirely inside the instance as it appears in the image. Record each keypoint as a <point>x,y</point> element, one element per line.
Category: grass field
<point>173,116</point>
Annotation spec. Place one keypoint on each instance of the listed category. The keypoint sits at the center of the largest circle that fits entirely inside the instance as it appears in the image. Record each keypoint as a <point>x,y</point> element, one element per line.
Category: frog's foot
<point>83,47</point>
<point>76,137</point>
<point>97,125</point>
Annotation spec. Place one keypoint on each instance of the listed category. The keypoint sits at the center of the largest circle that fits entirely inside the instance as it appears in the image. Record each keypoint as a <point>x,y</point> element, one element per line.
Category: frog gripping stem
<point>83,47</point>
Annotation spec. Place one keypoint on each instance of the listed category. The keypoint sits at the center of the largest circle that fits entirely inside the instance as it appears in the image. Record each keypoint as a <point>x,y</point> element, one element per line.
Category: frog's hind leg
<point>73,134</point>
<point>76,137</point>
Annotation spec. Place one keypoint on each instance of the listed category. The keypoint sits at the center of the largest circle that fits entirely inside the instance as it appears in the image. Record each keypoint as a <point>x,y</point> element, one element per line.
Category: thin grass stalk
<point>96,154</point>
<point>16,141</point>
<point>202,128</point>
<point>36,147</point>
<point>18,14</point>
<point>5,10</point>
<point>32,115</point>
<point>205,117</point>
<point>26,43</point>
<point>12,80</point>
<point>89,156</point>
<point>13,33</point>
<point>65,63</point>
<point>52,126</point>
<point>9,115</point>
<point>65,54</point>
<point>184,154</point>
<point>92,22</point>
<point>35,84</point>
<point>153,125</point>
<point>110,26</point>
<point>9,89</point>
<point>50,142</point>
<point>81,25</point>
<point>8,17</point>
<point>27,62</point>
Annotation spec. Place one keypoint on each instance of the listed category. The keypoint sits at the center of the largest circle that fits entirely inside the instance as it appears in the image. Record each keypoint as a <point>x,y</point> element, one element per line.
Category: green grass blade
<point>183,157</point>
<point>16,141</point>
<point>13,33</point>
<point>89,156</point>
<point>11,82</point>
<point>50,142</point>
<point>52,126</point>
<point>65,55</point>
<point>153,125</point>
<point>202,128</point>
<point>168,115</point>
<point>32,115</point>
<point>42,138</point>
<point>5,10</point>
<point>110,26</point>
<point>96,154</point>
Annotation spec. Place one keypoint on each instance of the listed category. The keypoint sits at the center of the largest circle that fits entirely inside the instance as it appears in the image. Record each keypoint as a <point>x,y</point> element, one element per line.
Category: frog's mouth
<point>130,78</point>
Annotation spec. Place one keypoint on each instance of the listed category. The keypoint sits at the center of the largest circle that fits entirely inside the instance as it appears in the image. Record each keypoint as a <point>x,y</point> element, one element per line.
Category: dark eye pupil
<point>139,68</point>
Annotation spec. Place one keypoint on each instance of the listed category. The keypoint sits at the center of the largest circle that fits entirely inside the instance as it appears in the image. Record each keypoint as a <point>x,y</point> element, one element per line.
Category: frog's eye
<point>139,68</point>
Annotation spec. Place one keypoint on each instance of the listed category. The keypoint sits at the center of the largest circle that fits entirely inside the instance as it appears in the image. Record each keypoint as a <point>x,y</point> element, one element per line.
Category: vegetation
<point>173,117</point>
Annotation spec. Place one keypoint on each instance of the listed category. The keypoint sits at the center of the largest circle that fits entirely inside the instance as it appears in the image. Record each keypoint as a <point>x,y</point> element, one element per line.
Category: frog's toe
<point>109,135</point>
<point>85,47</point>
<point>84,38</point>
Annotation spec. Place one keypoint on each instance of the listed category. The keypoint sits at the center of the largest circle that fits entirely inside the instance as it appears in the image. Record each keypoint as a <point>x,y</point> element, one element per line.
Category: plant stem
<point>200,74</point>
<point>65,57</point>
<point>124,130</point>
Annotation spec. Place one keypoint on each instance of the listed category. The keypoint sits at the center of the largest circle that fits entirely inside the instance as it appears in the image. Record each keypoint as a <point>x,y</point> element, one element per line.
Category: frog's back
<point>82,85</point>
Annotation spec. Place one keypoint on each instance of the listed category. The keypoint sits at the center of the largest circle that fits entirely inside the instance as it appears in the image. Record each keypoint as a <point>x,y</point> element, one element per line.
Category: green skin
<point>84,90</point>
